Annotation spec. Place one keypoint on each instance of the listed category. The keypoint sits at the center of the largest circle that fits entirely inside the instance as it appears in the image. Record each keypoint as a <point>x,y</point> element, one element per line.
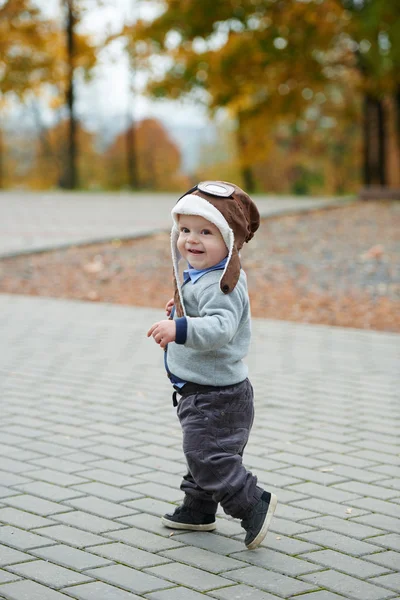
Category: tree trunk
<point>375,140</point>
<point>131,157</point>
<point>70,180</point>
<point>248,179</point>
<point>381,143</point>
<point>367,141</point>
<point>246,170</point>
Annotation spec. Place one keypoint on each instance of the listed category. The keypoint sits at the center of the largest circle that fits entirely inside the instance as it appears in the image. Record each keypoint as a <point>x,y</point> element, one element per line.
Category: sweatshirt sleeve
<point>220,315</point>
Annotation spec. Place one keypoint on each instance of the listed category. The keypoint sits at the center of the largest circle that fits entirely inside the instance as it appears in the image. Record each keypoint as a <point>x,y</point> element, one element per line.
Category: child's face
<point>200,242</point>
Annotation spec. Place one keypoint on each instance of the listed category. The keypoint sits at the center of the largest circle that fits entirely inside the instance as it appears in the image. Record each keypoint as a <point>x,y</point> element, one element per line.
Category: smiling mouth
<point>196,251</point>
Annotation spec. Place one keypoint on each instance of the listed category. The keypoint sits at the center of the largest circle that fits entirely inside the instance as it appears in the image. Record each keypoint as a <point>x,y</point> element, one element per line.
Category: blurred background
<point>281,96</point>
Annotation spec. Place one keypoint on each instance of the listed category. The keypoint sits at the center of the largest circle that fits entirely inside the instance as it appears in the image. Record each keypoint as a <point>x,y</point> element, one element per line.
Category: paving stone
<point>55,493</point>
<point>127,555</point>
<point>342,543</point>
<point>57,477</point>
<point>87,522</point>
<point>204,559</point>
<point>391,541</point>
<point>149,523</point>
<point>36,505</point>
<point>161,492</point>
<point>380,521</point>
<point>70,557</point>
<point>5,492</point>
<point>350,587</point>
<point>322,595</point>
<point>329,508</point>
<point>102,508</point>
<point>277,561</point>
<point>377,457</point>
<point>389,559</point>
<point>14,466</point>
<point>152,506</point>
<point>6,577</point>
<point>144,539</point>
<point>129,579</point>
<point>294,513</point>
<point>189,576</point>
<point>378,506</point>
<point>29,590</point>
<point>326,493</point>
<point>345,526</point>
<point>287,545</point>
<point>365,489</point>
<point>315,475</point>
<point>58,464</point>
<point>9,556</point>
<point>240,592</point>
<point>22,519</point>
<point>390,581</point>
<point>99,591</point>
<point>340,459</point>
<point>118,466</point>
<point>109,477</point>
<point>69,535</point>
<point>47,448</point>
<point>269,581</point>
<point>210,541</point>
<point>20,539</point>
<point>176,593</point>
<point>82,456</point>
<point>363,475</point>
<point>49,574</point>
<point>345,563</point>
<point>160,464</point>
<point>108,492</point>
<point>287,527</point>
<point>10,479</point>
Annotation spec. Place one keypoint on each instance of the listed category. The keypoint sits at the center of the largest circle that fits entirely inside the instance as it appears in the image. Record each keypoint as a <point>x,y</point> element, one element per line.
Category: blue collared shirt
<point>195,274</point>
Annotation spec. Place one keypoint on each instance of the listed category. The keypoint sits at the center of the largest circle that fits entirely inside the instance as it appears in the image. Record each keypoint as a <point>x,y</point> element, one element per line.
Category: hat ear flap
<point>231,274</point>
<point>176,256</point>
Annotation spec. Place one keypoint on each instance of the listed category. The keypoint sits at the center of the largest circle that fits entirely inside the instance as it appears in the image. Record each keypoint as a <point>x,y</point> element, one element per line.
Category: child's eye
<point>184,230</point>
<point>206,232</point>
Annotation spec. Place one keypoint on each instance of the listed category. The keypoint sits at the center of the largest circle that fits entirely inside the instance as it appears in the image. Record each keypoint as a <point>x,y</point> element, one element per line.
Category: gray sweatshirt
<point>214,336</point>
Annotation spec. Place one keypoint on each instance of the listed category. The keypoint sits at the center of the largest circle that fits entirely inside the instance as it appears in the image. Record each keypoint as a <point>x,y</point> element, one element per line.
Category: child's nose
<point>192,237</point>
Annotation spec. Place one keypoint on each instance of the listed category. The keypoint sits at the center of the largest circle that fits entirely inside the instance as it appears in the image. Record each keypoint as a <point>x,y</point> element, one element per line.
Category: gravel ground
<point>336,266</point>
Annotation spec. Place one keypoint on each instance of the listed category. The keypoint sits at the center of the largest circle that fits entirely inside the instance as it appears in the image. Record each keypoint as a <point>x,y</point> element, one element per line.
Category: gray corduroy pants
<point>216,424</point>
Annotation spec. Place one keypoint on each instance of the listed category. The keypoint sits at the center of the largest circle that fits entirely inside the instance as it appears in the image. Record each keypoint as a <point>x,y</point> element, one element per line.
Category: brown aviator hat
<point>234,213</point>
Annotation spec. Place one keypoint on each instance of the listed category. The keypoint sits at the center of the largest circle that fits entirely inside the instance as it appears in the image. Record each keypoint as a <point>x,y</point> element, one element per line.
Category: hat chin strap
<point>176,256</point>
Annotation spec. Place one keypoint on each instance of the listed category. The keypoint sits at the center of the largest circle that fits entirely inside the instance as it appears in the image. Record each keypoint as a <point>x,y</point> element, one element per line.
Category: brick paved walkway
<point>90,457</point>
<point>30,221</point>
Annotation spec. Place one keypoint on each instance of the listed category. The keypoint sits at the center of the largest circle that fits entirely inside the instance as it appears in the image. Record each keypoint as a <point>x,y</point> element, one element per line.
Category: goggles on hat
<point>217,189</point>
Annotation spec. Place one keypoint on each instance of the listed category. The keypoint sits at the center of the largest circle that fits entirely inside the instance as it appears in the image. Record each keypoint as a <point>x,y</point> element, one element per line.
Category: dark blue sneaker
<point>259,519</point>
<point>185,518</point>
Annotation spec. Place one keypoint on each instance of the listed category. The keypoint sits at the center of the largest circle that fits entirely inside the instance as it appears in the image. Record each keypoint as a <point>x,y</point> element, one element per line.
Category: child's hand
<point>169,306</point>
<point>163,332</point>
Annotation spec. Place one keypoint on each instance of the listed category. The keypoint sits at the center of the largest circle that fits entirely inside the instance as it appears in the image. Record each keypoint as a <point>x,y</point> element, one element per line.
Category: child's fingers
<point>152,329</point>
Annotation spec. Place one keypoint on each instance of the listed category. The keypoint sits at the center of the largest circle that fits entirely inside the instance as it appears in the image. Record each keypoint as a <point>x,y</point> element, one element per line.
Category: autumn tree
<point>257,59</point>
<point>374,28</point>
<point>158,159</point>
<point>80,54</point>
<point>27,60</point>
<point>270,62</point>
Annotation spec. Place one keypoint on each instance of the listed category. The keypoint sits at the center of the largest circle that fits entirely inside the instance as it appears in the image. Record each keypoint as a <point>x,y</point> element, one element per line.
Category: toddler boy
<point>205,340</point>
